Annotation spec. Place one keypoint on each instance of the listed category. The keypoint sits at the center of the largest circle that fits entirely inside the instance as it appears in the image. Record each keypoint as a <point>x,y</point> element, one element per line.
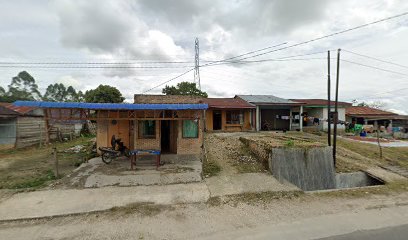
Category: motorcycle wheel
<point>107,157</point>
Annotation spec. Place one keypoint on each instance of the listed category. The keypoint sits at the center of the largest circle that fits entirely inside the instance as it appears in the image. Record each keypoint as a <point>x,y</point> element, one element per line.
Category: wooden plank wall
<point>30,131</point>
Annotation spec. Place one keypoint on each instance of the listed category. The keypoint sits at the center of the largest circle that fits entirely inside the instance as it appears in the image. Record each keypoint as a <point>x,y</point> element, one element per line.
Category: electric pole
<point>328,101</point>
<point>336,114</point>
<point>197,64</point>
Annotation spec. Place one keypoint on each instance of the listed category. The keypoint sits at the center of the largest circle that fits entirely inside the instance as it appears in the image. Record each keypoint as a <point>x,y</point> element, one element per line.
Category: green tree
<point>184,88</point>
<point>23,87</point>
<point>104,94</point>
<point>59,93</point>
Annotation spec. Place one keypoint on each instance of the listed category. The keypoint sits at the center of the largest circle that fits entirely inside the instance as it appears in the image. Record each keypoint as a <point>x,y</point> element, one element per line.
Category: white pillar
<point>290,119</point>
<point>301,118</point>
<point>258,119</point>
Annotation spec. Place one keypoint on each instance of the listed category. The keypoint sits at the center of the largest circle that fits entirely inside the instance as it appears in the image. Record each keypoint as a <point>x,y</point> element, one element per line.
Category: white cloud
<point>159,30</point>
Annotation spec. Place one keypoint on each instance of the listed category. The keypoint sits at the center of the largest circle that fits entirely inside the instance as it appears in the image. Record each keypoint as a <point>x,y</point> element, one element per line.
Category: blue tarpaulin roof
<point>111,106</point>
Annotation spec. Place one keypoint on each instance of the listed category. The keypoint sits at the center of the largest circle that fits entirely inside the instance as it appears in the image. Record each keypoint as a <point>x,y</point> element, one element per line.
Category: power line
<point>377,59</point>
<point>381,93</point>
<point>329,35</point>
<point>174,78</point>
<point>95,63</point>
<point>79,67</point>
<point>281,59</point>
<point>373,67</point>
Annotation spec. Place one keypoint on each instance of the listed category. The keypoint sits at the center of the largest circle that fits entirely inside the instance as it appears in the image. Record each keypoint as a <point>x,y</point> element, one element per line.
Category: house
<point>20,126</point>
<point>175,128</point>
<point>315,114</point>
<point>370,116</point>
<point>274,113</point>
<point>229,114</point>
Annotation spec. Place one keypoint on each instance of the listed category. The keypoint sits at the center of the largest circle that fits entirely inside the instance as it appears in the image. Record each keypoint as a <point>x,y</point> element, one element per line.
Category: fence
<point>15,134</point>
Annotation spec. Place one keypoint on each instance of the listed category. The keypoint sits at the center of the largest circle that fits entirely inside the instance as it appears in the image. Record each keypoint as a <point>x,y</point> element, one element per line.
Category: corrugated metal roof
<point>227,103</point>
<point>320,102</point>
<point>267,99</point>
<point>111,106</point>
<point>366,111</point>
<point>18,109</point>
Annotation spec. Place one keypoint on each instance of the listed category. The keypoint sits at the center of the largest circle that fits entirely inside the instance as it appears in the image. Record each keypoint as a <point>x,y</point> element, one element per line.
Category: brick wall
<point>184,145</point>
<point>147,143</point>
<point>189,145</point>
<point>139,98</point>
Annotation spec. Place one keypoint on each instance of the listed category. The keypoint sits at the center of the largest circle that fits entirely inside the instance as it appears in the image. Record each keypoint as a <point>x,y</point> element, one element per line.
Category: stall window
<point>235,117</point>
<point>190,129</point>
<point>147,129</point>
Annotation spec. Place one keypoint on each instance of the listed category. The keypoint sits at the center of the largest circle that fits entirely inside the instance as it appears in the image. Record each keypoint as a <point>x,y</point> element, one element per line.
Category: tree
<point>375,104</point>
<point>59,93</point>
<point>23,87</point>
<point>184,88</point>
<point>104,94</point>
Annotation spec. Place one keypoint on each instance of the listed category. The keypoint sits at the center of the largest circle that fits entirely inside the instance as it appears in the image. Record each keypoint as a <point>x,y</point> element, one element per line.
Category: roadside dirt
<point>230,154</point>
<point>193,220</point>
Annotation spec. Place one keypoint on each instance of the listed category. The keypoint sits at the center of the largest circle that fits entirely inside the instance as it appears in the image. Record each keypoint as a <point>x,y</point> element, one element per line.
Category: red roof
<point>320,102</point>
<point>21,110</point>
<point>367,111</point>
<point>227,103</point>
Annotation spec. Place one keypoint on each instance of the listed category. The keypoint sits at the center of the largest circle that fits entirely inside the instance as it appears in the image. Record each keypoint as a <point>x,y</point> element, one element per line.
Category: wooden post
<point>47,128</point>
<point>56,172</point>
<point>378,142</point>
<point>39,126</point>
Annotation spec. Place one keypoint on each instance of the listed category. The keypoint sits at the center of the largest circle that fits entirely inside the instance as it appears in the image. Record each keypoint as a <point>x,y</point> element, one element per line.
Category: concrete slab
<point>246,183</point>
<point>95,173</point>
<point>72,201</point>
<point>385,175</point>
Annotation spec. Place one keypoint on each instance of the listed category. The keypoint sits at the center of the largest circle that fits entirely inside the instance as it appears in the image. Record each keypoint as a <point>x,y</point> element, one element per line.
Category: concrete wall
<point>309,169</point>
<point>322,114</point>
<point>355,179</point>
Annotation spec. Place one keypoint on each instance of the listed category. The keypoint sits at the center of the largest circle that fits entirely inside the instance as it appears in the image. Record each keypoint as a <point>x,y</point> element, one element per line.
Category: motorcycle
<point>118,149</point>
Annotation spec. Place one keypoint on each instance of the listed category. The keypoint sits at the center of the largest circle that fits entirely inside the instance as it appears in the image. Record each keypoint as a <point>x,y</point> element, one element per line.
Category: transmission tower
<point>197,64</point>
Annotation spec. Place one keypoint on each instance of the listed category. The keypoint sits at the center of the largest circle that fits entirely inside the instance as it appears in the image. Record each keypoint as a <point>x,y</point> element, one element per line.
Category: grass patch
<point>35,182</point>
<point>31,167</point>
<point>211,168</point>
<point>145,209</point>
<point>387,189</point>
<point>253,198</point>
<point>391,155</point>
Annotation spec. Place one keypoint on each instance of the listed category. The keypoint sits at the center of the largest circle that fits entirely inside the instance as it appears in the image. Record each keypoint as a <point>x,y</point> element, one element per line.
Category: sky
<point>152,41</point>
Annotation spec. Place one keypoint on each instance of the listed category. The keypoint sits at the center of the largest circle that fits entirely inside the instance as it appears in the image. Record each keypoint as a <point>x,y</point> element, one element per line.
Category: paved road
<point>389,233</point>
<point>333,226</point>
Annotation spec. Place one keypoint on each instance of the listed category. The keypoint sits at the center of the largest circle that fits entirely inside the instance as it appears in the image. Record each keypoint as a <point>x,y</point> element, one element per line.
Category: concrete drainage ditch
<point>356,179</point>
<point>312,169</point>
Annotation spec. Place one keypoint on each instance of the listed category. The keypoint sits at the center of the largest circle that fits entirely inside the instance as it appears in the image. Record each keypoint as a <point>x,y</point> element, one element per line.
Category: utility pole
<point>197,64</point>
<point>328,101</point>
<point>336,114</point>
